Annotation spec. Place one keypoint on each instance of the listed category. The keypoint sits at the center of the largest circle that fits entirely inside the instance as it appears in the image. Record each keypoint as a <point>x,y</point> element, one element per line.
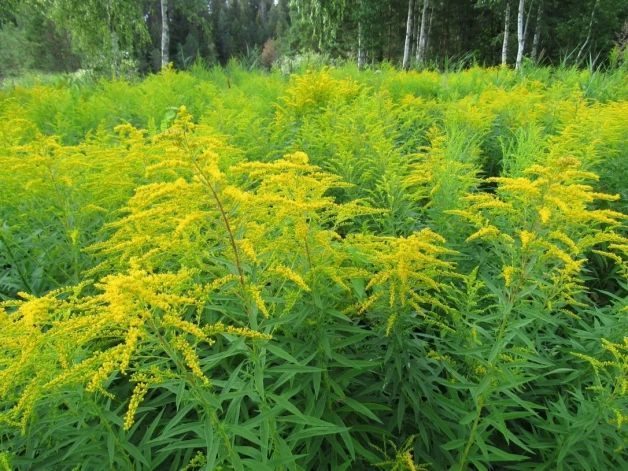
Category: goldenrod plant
<point>224,269</point>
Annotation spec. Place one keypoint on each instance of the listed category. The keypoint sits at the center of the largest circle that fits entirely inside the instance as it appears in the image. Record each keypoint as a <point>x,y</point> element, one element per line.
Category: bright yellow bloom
<point>526,238</point>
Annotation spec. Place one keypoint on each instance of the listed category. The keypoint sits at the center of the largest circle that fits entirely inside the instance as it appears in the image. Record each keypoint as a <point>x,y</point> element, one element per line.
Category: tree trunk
<point>506,34</point>
<point>527,22</point>
<point>262,11</point>
<point>165,35</point>
<point>114,45</point>
<point>429,30</point>
<point>586,42</point>
<point>406,49</point>
<point>420,53</point>
<point>417,30</point>
<point>415,21</point>
<point>115,54</point>
<point>537,34</point>
<point>520,33</point>
<point>361,58</point>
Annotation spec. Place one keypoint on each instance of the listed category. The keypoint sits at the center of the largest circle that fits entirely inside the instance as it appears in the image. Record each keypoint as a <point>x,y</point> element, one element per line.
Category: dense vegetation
<point>221,269</point>
<point>126,37</point>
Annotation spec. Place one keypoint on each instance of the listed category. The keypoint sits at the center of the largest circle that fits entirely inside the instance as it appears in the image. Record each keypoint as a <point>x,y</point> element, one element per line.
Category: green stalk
<point>471,439</point>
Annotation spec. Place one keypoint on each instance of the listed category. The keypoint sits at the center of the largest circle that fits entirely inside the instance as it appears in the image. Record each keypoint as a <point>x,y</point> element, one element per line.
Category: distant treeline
<point>140,36</point>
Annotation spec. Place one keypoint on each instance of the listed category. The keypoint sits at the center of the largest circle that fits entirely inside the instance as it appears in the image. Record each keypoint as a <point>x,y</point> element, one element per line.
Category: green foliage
<point>233,269</point>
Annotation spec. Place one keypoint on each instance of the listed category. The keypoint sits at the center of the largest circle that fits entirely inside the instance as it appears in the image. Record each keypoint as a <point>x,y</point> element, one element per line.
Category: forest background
<point>121,37</point>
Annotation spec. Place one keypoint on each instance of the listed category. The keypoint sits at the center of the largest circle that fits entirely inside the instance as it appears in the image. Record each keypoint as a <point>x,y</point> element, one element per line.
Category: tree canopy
<point>116,36</point>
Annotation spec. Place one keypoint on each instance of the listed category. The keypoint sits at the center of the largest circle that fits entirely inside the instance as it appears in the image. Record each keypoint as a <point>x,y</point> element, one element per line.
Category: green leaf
<point>360,408</point>
<point>314,432</point>
<point>281,353</point>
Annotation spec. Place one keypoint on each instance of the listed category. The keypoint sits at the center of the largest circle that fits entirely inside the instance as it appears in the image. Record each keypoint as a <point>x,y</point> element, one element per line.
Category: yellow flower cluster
<point>139,392</point>
<point>407,272</point>
<point>314,90</point>
<point>199,241</point>
<point>548,209</point>
<point>53,337</point>
<point>191,358</point>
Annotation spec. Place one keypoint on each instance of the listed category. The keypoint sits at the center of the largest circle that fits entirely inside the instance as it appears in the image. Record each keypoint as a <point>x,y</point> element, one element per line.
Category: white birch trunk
<point>406,49</point>
<point>537,34</point>
<point>361,57</point>
<point>506,34</point>
<point>417,30</point>
<point>165,35</point>
<point>420,53</point>
<point>586,42</point>
<point>520,33</point>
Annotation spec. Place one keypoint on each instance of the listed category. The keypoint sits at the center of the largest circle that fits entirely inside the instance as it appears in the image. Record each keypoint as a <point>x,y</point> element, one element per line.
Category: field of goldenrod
<point>230,270</point>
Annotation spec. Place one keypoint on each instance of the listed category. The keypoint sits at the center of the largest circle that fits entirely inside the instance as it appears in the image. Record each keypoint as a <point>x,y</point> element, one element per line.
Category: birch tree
<point>537,33</point>
<point>406,49</point>
<point>417,29</point>
<point>420,53</point>
<point>165,35</point>
<point>194,11</point>
<point>588,39</point>
<point>506,34</point>
<point>520,33</point>
<point>361,55</point>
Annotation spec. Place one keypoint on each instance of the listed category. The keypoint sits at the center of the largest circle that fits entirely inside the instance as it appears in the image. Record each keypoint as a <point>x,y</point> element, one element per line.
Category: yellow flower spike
<point>245,332</point>
<point>526,237</point>
<point>288,274</point>
<point>508,273</point>
<point>557,235</point>
<point>489,233</point>
<point>5,464</point>
<point>247,248</point>
<point>220,282</point>
<point>545,214</point>
<point>392,298</point>
<point>139,392</point>
<point>190,358</point>
<point>132,337</point>
<point>187,327</point>
<point>368,303</point>
<point>25,296</point>
<point>107,368</point>
<point>299,158</point>
<point>570,314</point>
<point>392,320</point>
<point>256,294</point>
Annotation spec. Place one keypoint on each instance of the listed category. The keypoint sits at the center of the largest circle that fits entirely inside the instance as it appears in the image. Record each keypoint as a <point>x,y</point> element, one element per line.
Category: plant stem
<point>190,379</point>
<point>471,439</point>
<point>225,219</point>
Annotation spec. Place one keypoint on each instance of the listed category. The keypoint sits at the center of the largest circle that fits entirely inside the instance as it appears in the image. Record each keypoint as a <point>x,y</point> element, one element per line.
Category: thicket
<point>337,270</point>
